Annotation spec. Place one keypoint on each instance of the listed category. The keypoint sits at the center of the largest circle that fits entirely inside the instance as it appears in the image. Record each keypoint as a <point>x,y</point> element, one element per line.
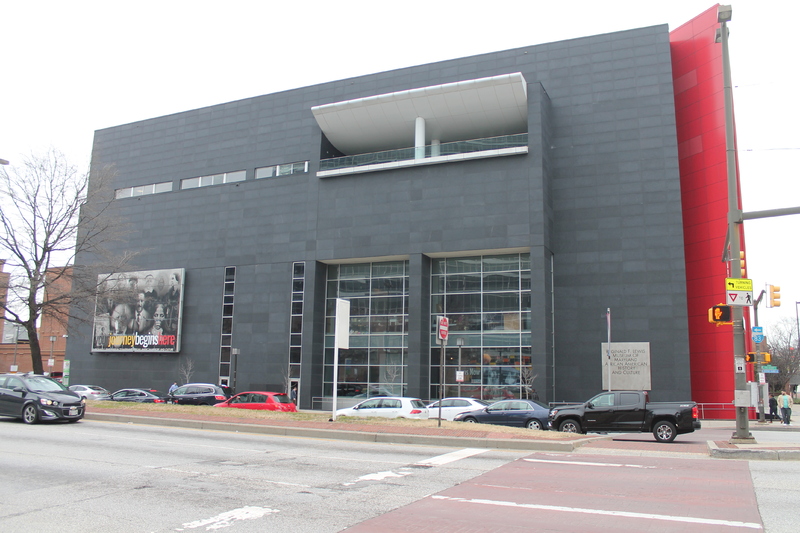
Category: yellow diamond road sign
<point>736,284</point>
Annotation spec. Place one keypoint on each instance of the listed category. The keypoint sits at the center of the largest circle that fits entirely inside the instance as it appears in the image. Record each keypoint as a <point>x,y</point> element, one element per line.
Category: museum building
<point>523,194</point>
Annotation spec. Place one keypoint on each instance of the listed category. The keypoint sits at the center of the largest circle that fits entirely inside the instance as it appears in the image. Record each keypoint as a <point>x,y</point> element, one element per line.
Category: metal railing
<point>436,150</point>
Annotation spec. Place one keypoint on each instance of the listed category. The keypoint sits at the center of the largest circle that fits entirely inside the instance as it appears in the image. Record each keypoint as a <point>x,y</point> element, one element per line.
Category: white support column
<point>419,138</point>
<point>435,148</point>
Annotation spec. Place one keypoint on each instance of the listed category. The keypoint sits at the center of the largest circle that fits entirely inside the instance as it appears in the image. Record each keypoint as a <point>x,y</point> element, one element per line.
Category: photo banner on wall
<point>139,311</point>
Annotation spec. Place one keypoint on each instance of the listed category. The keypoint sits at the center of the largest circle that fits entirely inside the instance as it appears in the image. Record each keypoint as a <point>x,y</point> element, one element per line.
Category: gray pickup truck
<point>626,412</point>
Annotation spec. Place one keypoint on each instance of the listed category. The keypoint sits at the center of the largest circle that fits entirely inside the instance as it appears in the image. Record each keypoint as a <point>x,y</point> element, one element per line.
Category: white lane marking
<point>583,463</point>
<point>452,456</point>
<point>626,514</point>
<point>433,461</point>
<point>378,476</point>
<point>229,518</point>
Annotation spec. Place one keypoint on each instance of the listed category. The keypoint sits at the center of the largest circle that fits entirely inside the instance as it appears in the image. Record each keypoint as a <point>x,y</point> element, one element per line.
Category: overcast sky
<point>70,68</point>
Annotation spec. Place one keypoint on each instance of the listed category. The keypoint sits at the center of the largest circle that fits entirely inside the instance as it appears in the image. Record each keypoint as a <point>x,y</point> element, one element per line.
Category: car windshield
<point>41,383</point>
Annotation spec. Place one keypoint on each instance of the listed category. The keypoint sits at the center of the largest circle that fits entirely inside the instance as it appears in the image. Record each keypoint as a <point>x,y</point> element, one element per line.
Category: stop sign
<point>444,325</point>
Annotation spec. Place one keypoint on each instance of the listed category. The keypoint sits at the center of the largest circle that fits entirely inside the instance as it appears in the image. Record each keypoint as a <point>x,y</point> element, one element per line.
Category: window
<point>265,172</point>
<point>296,320</point>
<point>378,295</point>
<point>604,400</point>
<point>629,398</point>
<point>226,331</point>
<point>284,169</point>
<point>214,179</point>
<point>142,190</point>
<point>488,301</point>
<point>300,167</point>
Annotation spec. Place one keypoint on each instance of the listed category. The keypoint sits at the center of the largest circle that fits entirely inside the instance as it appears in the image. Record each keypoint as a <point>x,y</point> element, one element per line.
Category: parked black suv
<point>200,394</point>
<point>33,398</point>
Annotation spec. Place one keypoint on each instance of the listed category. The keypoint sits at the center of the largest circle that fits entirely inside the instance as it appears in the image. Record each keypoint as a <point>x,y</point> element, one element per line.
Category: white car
<point>90,392</point>
<point>387,407</point>
<point>453,406</point>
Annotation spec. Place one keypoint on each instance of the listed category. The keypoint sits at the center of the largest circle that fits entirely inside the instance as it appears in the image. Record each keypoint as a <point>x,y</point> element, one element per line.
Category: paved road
<point>109,477</point>
<point>569,492</point>
<point>100,476</point>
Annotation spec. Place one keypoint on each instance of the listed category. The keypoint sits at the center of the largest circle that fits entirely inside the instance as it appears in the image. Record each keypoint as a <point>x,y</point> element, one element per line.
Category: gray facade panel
<point>598,192</point>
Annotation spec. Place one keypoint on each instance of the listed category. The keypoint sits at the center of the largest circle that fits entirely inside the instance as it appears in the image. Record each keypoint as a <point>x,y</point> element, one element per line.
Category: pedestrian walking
<point>293,394</point>
<point>773,407</point>
<point>173,387</point>
<point>785,403</point>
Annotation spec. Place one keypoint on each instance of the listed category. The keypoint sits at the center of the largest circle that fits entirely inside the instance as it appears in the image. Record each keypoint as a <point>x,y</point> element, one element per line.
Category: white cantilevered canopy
<point>470,109</point>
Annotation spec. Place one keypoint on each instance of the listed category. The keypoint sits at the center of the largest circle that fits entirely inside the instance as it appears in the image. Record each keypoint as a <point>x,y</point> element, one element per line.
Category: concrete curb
<point>751,454</point>
<point>361,436</point>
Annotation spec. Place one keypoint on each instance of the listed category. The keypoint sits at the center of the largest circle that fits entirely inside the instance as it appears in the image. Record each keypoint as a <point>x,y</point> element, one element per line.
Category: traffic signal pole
<point>741,394</point>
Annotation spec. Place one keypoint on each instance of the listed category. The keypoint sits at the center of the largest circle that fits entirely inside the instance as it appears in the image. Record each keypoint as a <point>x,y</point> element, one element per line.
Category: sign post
<point>341,340</point>
<point>443,330</point>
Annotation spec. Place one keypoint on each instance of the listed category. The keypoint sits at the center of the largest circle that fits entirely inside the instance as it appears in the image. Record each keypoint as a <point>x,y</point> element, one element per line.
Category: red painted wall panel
<point>700,116</point>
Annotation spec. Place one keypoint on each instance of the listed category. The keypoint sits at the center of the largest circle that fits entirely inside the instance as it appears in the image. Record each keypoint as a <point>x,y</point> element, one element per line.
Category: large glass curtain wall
<point>487,300</point>
<point>375,362</point>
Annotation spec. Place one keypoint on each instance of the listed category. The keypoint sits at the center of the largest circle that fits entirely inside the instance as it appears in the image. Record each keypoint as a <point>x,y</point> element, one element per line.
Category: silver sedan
<point>90,392</point>
<point>453,406</point>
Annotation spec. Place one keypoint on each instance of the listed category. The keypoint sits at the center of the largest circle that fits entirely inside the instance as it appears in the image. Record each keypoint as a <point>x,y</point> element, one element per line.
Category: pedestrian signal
<point>720,314</point>
<point>750,357</point>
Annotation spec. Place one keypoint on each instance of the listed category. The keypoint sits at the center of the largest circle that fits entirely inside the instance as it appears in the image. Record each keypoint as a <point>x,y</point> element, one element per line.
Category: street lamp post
<point>235,354</point>
<point>797,317</point>
<point>460,343</point>
<point>16,343</point>
<point>50,361</point>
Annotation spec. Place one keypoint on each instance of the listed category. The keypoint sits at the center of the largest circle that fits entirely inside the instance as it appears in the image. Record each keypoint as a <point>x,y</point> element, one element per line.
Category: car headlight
<point>45,401</point>
<point>553,413</point>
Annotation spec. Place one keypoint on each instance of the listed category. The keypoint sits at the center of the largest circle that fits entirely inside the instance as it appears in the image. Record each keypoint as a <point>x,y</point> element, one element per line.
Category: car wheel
<point>570,426</point>
<point>470,420</point>
<point>665,431</point>
<point>534,424</point>
<point>29,414</point>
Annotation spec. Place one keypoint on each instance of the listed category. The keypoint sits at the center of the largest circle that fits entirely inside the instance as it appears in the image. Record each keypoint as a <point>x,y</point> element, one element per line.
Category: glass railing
<point>405,154</point>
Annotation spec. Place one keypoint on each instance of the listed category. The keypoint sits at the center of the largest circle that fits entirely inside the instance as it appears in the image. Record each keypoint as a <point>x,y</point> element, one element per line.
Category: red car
<point>265,401</point>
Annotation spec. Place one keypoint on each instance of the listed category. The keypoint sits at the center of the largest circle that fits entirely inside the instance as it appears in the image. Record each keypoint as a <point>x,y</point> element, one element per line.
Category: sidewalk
<point>772,441</point>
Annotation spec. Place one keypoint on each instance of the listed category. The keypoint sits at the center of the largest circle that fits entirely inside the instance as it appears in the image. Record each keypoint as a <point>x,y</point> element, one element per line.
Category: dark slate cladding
<point>596,201</point>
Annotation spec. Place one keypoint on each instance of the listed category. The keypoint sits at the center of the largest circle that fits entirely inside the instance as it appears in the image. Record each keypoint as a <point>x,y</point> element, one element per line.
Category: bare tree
<point>287,381</point>
<point>51,213</point>
<point>783,348</point>
<point>527,378</point>
<point>186,369</point>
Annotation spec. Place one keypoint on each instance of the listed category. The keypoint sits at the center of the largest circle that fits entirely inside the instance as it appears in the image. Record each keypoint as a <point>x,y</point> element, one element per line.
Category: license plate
<point>73,411</point>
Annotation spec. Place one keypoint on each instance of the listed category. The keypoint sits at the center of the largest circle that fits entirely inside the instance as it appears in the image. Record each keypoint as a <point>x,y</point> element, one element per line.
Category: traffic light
<point>774,296</point>
<point>767,357</point>
<point>720,314</point>
<point>742,265</point>
<point>750,357</point>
